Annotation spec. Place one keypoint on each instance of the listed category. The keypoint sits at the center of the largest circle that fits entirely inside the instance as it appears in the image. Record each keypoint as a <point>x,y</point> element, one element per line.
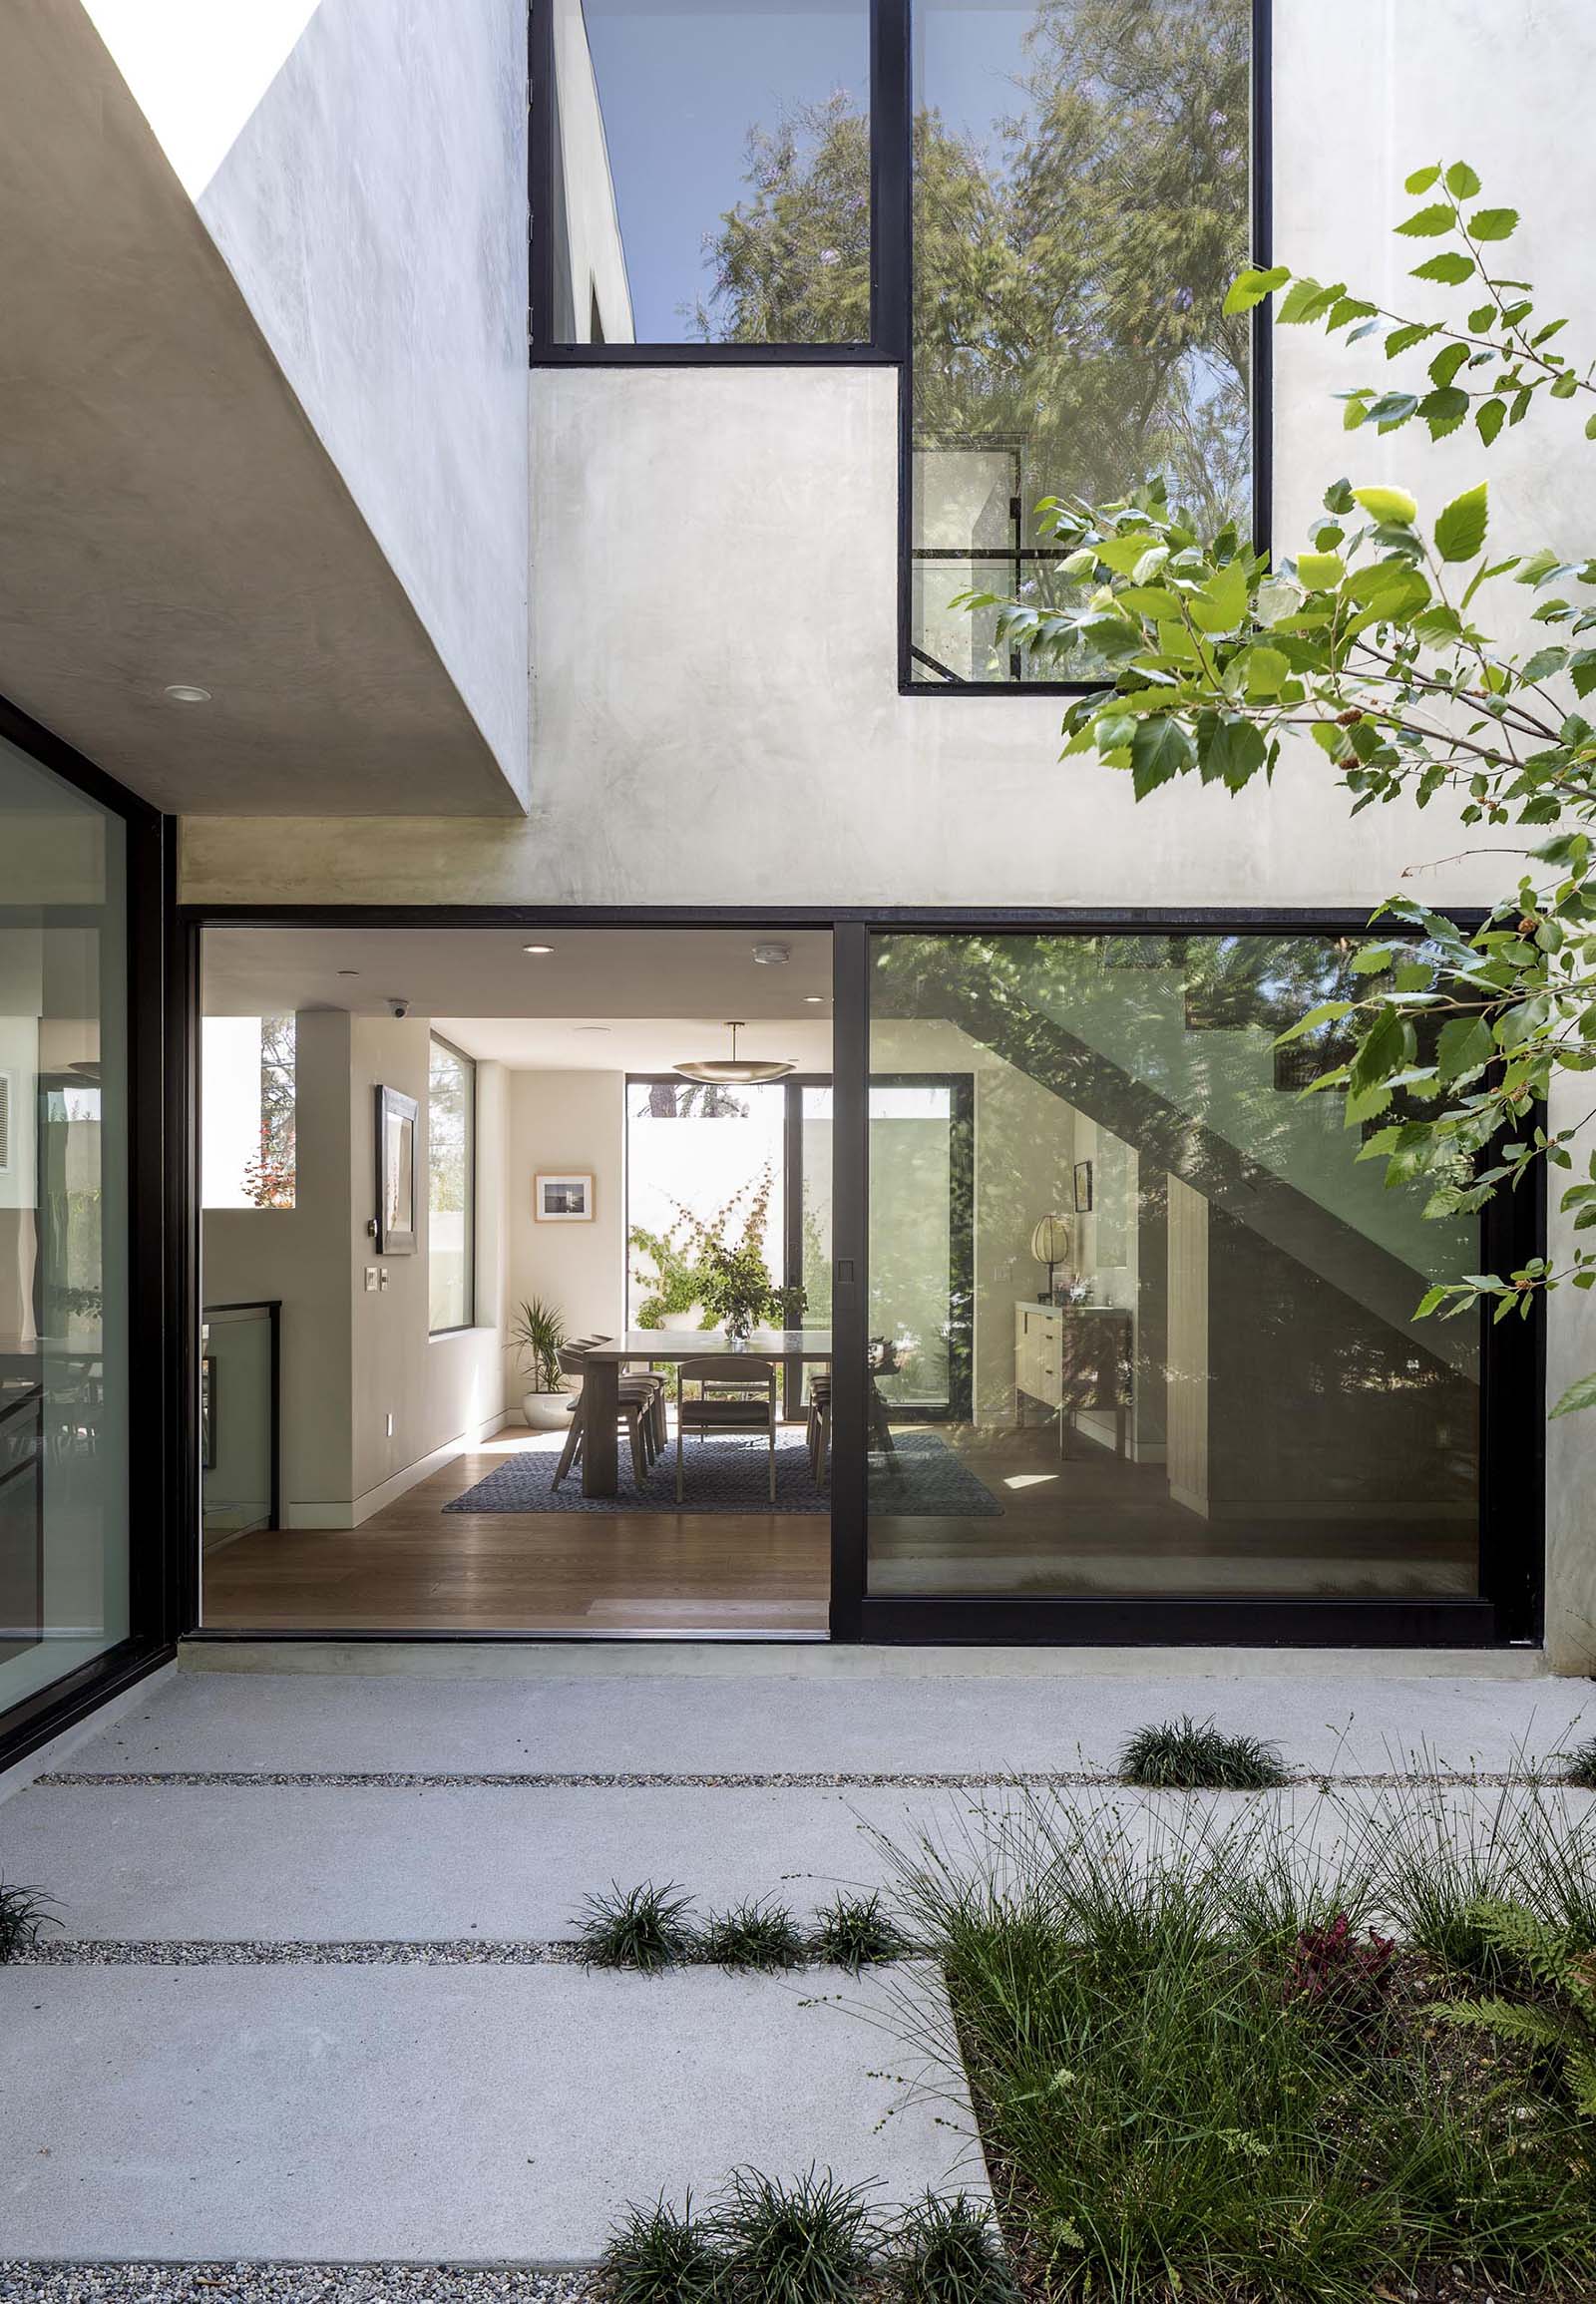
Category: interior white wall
<point>300,1255</point>
<point>438,1389</point>
<point>564,1123</point>
<point>353,1356</point>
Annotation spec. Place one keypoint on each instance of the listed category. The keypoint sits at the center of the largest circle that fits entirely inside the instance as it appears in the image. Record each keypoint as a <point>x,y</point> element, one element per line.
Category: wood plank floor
<point>415,1568</point>
<point>1092,1524</point>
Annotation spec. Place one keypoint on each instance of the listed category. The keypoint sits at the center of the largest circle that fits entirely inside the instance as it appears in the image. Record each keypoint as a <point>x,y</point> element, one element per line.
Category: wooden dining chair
<point>734,1396</point>
<point>639,1411</point>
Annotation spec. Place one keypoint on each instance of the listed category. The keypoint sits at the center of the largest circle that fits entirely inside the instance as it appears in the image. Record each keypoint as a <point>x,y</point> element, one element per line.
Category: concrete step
<point>800,1710</point>
<point>427,2114</point>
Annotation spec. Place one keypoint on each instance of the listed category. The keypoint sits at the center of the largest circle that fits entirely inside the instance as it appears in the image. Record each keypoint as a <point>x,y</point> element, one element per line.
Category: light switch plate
<point>371,1279</point>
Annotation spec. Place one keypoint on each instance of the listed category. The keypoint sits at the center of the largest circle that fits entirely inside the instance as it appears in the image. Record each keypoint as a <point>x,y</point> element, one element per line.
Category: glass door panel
<point>1190,1360</point>
<point>63,1229</point>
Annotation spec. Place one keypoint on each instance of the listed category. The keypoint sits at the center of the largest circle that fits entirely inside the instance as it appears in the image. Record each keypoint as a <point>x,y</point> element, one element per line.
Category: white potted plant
<point>537,1333</point>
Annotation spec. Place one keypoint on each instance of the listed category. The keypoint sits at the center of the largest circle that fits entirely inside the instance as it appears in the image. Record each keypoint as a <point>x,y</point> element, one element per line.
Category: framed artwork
<point>396,1173</point>
<point>1083,1187</point>
<point>207,1413</point>
<point>563,1199</point>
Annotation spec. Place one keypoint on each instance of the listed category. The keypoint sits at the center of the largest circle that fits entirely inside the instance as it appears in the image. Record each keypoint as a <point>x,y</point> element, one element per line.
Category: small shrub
<point>1181,1755</point>
<point>946,2252</point>
<point>645,1927</point>
<point>803,2243</point>
<point>1339,1976</point>
<point>758,1934</point>
<point>1579,1766</point>
<point>655,2256</point>
<point>23,1912</point>
<point>856,1932</point>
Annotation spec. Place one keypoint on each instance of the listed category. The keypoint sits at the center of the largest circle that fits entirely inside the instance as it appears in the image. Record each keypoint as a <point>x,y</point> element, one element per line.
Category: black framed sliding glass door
<point>1192,1400</point>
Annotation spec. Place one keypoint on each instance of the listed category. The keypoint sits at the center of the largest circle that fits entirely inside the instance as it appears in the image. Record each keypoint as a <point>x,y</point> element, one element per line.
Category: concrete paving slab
<point>763,1723</point>
<point>293,1864</point>
<point>300,1862</point>
<point>417,2115</point>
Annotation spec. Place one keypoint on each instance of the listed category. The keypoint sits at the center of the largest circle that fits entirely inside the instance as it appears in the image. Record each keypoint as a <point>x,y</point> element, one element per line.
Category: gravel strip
<point>291,2284</point>
<point>842,1779</point>
<point>283,1952</point>
<point>349,1952</point>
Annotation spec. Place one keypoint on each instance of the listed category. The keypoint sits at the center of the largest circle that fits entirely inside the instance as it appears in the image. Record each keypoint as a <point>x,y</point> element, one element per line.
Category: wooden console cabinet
<point>1073,1357</point>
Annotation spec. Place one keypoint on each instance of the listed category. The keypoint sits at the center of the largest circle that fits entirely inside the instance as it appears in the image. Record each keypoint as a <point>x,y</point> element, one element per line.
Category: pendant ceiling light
<point>733,1070</point>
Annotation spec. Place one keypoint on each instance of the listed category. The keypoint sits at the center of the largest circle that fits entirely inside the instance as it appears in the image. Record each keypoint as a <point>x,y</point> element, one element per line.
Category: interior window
<point>451,1164</point>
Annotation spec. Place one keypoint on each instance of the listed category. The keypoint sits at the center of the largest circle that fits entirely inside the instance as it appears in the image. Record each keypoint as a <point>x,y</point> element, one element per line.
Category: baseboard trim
<point>351,1513</point>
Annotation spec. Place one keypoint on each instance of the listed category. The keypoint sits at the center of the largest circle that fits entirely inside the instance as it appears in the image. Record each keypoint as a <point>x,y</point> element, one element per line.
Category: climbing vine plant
<point>1380,642</point>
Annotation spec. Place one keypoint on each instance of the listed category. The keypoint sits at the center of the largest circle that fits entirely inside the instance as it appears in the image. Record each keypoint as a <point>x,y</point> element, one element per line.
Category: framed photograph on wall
<point>1083,1187</point>
<point>563,1199</point>
<point>396,1173</point>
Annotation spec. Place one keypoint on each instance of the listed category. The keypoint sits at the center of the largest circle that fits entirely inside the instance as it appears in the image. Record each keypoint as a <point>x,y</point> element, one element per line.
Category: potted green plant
<point>537,1333</point>
<point>735,1283</point>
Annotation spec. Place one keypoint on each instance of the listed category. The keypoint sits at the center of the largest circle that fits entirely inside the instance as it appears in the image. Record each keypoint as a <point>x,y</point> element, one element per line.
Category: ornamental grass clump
<point>947,2251</point>
<point>805,2242</point>
<point>1183,1756</point>
<point>24,1912</point>
<point>656,2256</point>
<point>645,1927</point>
<point>854,1932</point>
<point>758,1934</point>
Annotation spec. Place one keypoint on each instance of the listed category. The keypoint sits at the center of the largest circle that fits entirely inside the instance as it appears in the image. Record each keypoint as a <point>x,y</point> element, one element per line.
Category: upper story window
<point>1032,207</point>
<point>1082,198</point>
<point>712,176</point>
<point>451,1187</point>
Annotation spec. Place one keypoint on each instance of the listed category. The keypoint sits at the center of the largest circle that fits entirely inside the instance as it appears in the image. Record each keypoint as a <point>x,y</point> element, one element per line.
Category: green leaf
<point>1421,180</point>
<point>1159,750</point>
<point>1382,1050</point>
<point>1581,1395</point>
<point>1489,418</point>
<point>1448,267</point>
<point>1403,339</point>
<point>1493,224</point>
<point>1264,669</point>
<point>1429,224</point>
<point>1460,530</point>
<point>1465,1044</point>
<point>1446,363</point>
<point>1223,601</point>
<point>1235,753</point>
<point>1388,504</point>
<point>1543,663</point>
<point>1321,572</point>
<point>1590,428</point>
<point>1462,181</point>
<point>1327,1012</point>
<point>1250,287</point>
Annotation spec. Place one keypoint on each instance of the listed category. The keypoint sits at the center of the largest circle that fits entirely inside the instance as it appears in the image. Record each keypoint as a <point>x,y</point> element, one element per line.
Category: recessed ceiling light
<point>541,950</point>
<point>814,1000</point>
<point>348,972</point>
<point>180,692</point>
<point>590,1027</point>
<point>772,955</point>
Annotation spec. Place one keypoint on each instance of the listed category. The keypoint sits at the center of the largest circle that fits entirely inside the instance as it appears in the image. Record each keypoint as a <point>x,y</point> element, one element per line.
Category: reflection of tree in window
<point>446,1132</point>
<point>269,1179</point>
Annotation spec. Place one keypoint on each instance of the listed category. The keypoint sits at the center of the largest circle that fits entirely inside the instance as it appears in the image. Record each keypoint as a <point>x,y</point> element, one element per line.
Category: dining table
<point>603,1363</point>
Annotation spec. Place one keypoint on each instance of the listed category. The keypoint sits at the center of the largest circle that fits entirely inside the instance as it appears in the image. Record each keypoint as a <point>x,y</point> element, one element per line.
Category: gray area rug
<point>924,1480</point>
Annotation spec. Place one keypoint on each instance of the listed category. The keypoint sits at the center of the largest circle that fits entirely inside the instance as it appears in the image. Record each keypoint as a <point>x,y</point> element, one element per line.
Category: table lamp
<point>1049,1245</point>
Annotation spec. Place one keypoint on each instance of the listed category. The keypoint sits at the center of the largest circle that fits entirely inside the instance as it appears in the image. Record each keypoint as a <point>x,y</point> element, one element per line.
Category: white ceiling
<point>661,995</point>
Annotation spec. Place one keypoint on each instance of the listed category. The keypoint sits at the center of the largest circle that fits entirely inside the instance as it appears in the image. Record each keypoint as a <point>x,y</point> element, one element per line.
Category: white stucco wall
<point>371,207</point>
<point>715,714</point>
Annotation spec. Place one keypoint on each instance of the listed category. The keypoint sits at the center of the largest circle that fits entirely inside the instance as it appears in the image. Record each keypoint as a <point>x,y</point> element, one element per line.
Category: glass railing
<point>238,1419</point>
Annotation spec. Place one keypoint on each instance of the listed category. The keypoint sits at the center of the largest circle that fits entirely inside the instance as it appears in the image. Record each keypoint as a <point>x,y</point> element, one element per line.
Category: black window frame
<point>1510,1611</point>
<point>892,274</point>
<point>459,1327</point>
<point>161,1252</point>
<point>887,343</point>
